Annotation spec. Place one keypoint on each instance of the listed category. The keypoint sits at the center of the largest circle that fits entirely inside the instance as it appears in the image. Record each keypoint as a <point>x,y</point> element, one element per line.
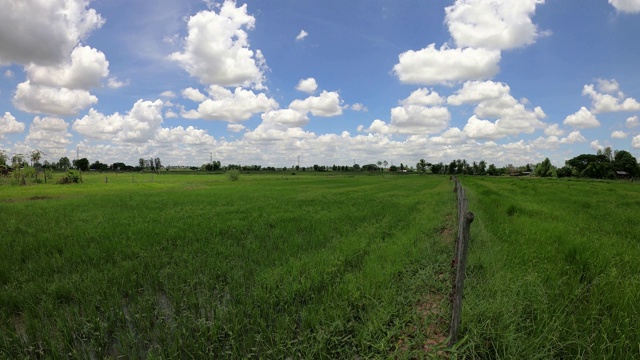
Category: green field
<point>553,270</point>
<point>189,266</point>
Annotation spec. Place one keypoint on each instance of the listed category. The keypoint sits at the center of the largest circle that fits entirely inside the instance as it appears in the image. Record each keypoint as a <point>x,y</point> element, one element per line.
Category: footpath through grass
<point>197,266</point>
<point>553,271</point>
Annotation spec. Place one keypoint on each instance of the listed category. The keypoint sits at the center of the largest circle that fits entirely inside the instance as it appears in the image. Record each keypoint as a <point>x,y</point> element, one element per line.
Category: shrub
<point>73,177</point>
<point>233,174</point>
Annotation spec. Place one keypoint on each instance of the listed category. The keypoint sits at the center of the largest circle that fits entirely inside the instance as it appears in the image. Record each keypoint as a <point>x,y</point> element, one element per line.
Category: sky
<point>326,82</point>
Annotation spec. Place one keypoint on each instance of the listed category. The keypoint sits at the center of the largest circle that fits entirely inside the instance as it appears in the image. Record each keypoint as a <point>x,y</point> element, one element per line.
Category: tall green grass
<point>553,269</point>
<point>197,266</point>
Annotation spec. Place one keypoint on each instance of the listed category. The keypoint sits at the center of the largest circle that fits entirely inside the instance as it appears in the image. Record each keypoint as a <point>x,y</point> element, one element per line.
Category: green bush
<point>233,174</point>
<point>73,177</point>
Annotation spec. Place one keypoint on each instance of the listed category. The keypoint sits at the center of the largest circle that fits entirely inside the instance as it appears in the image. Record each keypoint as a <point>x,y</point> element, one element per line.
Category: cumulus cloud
<point>193,95</point>
<point>168,94</point>
<point>216,49</point>
<point>50,100</point>
<point>180,135</point>
<point>114,83</point>
<point>553,130</point>
<point>303,34</point>
<point>582,119</point>
<point>44,32</point>
<point>633,121</point>
<point>423,96</point>
<point>308,85</point>
<point>48,133</point>
<point>618,134</point>
<point>286,117</point>
<point>84,69</point>
<point>417,119</point>
<point>628,6</point>
<point>235,127</point>
<point>8,74</point>
<point>604,102</point>
<point>494,100</point>
<point>9,125</point>
<point>431,66</point>
<point>236,106</point>
<point>327,104</point>
<point>358,107</point>
<point>635,142</point>
<point>573,137</point>
<point>450,137</point>
<point>492,24</point>
<point>137,126</point>
<point>595,145</point>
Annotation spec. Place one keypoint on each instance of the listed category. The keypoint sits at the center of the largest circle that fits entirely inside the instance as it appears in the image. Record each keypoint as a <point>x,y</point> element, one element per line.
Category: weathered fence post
<point>465,218</point>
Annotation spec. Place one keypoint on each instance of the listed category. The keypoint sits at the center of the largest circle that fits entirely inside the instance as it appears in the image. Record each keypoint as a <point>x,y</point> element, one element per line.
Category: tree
<point>624,161</point>
<point>482,167</point>
<point>141,163</point>
<point>422,166</point>
<point>64,163</point>
<point>157,163</point>
<point>16,160</point>
<point>492,170</point>
<point>81,164</point>
<point>3,158</point>
<point>544,168</point>
<point>385,163</point>
<point>35,156</point>
<point>437,168</point>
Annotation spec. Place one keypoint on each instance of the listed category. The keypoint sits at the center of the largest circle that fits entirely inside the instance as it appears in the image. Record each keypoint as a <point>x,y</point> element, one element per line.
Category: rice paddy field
<point>270,266</point>
<point>553,269</point>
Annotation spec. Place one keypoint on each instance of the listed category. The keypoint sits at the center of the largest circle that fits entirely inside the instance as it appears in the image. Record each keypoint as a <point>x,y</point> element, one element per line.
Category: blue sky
<point>263,82</point>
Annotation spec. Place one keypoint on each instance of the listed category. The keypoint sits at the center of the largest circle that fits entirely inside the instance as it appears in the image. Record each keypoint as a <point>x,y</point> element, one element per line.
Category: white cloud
<point>618,134</point>
<point>8,74</point>
<point>235,127</point>
<point>48,100</point>
<point>474,92</point>
<point>492,24</point>
<point>494,101</point>
<point>635,142</point>
<point>217,49</point>
<point>629,6</point>
<point>84,69</point>
<point>417,119</point>
<point>443,66</point>
<point>608,86</point>
<point>602,103</point>
<point>168,94</point>
<point>170,114</point>
<point>114,83</point>
<point>553,130</point>
<point>595,145</point>
<point>582,119</point>
<point>180,135</point>
<point>193,94</point>
<point>573,137</point>
<point>633,121</point>
<point>327,104</point>
<point>450,137</point>
<point>48,133</point>
<point>377,127</point>
<point>307,85</point>
<point>44,32</point>
<point>137,126</point>
<point>359,107</point>
<point>423,96</point>
<point>285,117</point>
<point>9,125</point>
<point>224,105</point>
<point>303,34</point>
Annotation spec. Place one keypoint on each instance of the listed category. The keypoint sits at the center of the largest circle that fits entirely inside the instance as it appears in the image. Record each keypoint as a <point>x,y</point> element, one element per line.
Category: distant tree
<point>544,169</point>
<point>35,156</point>
<point>385,163</point>
<point>81,164</point>
<point>624,161</point>
<point>157,163</point>
<point>421,166</point>
<point>482,167</point>
<point>393,168</point>
<point>379,165</point>
<point>3,158</point>
<point>437,168</point>
<point>492,170</point>
<point>16,161</point>
<point>564,171</point>
<point>64,163</point>
<point>356,167</point>
<point>141,163</point>
<point>98,166</point>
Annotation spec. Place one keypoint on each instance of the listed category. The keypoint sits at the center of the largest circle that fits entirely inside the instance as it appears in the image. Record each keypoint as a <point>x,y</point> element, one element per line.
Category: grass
<point>553,270</point>
<point>164,266</point>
